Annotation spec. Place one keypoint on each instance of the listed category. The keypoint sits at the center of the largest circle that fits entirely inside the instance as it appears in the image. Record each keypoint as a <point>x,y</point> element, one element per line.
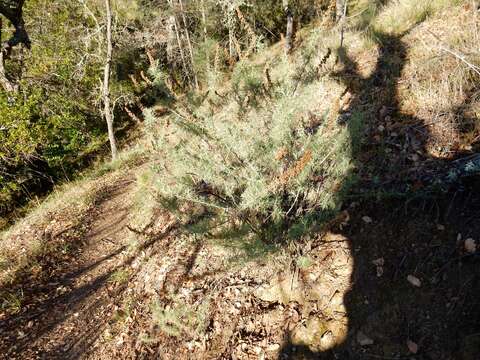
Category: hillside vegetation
<point>313,202</point>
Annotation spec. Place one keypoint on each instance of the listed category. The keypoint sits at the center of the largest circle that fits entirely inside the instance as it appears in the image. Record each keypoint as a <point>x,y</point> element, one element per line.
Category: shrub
<point>277,164</point>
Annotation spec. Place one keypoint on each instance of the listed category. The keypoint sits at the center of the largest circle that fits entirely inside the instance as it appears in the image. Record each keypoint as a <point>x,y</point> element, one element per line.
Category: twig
<point>458,55</point>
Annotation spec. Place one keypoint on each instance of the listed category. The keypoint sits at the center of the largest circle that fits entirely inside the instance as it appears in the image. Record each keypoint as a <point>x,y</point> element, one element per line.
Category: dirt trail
<point>79,301</point>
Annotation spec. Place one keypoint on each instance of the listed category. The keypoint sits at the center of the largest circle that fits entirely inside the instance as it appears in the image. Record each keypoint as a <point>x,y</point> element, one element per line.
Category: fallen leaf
<point>470,245</point>
<point>363,339</point>
<point>414,281</point>
<point>413,347</point>
<point>367,219</point>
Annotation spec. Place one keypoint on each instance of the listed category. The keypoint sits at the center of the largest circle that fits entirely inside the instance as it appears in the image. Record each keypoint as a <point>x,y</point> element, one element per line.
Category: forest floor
<point>391,277</point>
<point>387,281</point>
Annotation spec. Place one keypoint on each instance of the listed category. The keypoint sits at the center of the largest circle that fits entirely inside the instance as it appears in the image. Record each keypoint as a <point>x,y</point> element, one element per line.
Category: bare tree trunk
<point>289,34</point>
<point>8,85</point>
<point>205,35</point>
<point>189,43</point>
<point>171,39</point>
<point>173,22</point>
<point>204,20</point>
<point>343,19</point>
<point>230,43</point>
<point>106,82</point>
<point>339,9</point>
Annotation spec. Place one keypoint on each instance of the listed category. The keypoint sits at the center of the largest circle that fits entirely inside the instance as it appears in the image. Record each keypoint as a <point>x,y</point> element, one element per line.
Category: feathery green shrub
<point>270,157</point>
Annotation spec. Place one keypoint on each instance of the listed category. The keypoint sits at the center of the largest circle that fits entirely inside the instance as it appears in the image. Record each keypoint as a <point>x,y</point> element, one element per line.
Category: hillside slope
<point>321,205</point>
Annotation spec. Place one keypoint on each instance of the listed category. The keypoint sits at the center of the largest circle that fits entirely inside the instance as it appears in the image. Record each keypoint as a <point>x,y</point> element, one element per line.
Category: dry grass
<point>440,88</point>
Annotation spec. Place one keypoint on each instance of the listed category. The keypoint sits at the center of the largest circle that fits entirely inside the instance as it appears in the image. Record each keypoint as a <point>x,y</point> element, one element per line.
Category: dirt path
<point>343,295</point>
<point>77,302</point>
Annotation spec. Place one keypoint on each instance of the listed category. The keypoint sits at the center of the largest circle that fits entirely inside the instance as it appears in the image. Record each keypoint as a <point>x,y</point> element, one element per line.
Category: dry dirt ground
<point>343,295</point>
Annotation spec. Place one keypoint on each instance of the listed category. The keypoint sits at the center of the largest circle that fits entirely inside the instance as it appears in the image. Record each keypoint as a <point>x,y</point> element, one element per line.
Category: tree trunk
<point>339,9</point>
<point>106,82</point>
<point>343,20</point>
<point>173,22</point>
<point>289,34</point>
<point>8,85</point>
<point>189,43</point>
<point>204,20</point>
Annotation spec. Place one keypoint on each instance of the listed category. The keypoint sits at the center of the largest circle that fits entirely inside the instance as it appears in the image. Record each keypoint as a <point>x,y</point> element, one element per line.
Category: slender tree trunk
<point>339,9</point>
<point>173,21</point>
<point>205,35</point>
<point>7,84</point>
<point>343,20</point>
<point>189,43</point>
<point>289,34</point>
<point>204,20</point>
<point>106,81</point>
<point>171,39</point>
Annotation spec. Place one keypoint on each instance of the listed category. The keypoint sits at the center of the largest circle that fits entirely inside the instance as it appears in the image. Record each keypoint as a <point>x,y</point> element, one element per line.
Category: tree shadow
<point>415,233</point>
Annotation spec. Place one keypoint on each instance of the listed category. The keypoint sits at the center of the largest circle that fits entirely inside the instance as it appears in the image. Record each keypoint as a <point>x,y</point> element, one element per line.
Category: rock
<point>414,281</point>
<point>273,347</point>
<point>363,340</point>
<point>383,111</point>
<point>470,246</point>
<point>327,340</point>
<point>412,346</point>
<point>367,219</point>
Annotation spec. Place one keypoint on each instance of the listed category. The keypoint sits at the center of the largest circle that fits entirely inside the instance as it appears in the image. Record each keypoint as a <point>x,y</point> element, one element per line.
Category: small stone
<point>363,340</point>
<point>383,111</point>
<point>327,340</point>
<point>440,227</point>
<point>381,128</point>
<point>470,246</point>
<point>367,219</point>
<point>414,281</point>
<point>413,347</point>
<point>273,347</point>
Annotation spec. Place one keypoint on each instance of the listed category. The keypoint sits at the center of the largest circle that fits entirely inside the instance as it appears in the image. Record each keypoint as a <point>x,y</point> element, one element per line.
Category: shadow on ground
<point>417,233</point>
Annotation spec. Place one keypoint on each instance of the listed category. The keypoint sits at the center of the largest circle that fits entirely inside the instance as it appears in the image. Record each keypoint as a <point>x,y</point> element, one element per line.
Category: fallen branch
<point>456,54</point>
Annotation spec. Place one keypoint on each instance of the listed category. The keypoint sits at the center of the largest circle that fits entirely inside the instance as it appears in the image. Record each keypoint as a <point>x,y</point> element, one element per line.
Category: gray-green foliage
<point>271,158</point>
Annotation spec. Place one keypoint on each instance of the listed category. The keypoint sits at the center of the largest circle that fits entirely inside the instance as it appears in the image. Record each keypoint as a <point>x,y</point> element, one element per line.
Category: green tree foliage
<point>53,125</point>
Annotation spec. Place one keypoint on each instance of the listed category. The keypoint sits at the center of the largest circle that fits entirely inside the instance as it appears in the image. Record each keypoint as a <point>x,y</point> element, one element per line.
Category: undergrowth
<point>268,155</point>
